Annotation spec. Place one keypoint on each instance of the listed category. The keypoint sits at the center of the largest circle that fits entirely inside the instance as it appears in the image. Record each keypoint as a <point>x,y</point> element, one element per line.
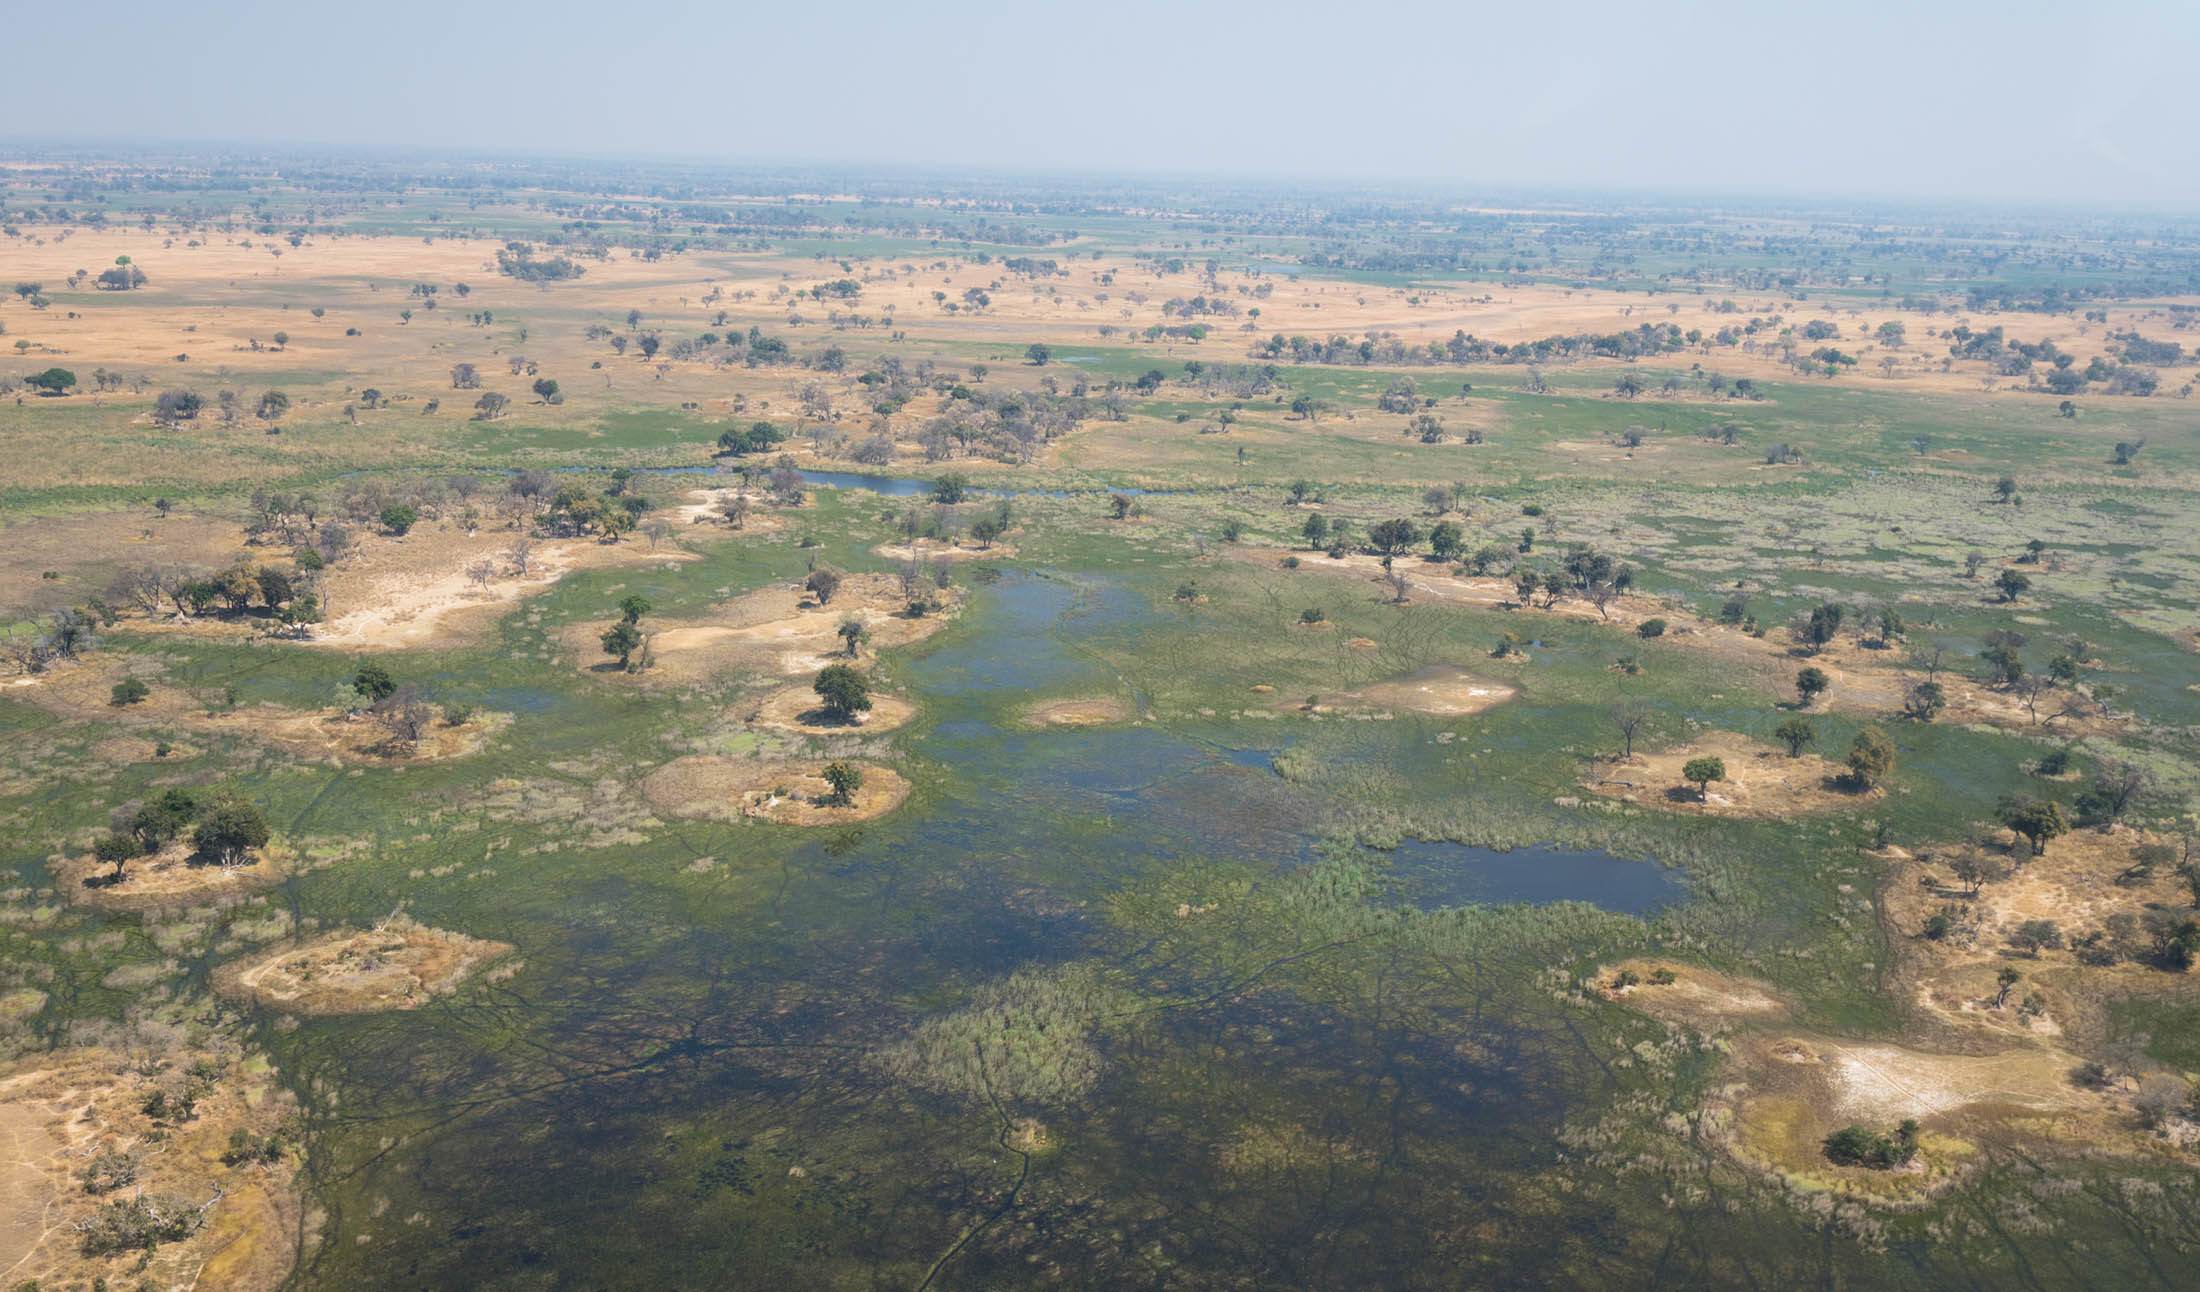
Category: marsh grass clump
<point>1024,1039</point>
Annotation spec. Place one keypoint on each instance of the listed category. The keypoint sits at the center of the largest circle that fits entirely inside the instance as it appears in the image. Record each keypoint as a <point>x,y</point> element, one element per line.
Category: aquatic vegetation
<point>1032,1038</point>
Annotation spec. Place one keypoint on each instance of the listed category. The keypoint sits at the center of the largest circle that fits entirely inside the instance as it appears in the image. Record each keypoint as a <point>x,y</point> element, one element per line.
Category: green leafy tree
<point>157,822</point>
<point>1391,537</point>
<point>53,381</point>
<point>621,640</point>
<point>845,779</point>
<point>633,606</point>
<point>115,850</point>
<point>1871,757</point>
<point>373,682</point>
<point>1811,683</point>
<point>1925,701</point>
<point>130,690</point>
<point>844,691</point>
<point>1039,353</point>
<point>1316,530</point>
<point>399,518</point>
<point>1795,733</point>
<point>1703,770</point>
<point>2038,820</point>
<point>228,829</point>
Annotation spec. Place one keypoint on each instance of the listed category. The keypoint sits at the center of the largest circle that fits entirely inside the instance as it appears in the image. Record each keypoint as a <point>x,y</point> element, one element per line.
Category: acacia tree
<point>1703,770</point>
<point>2037,820</point>
<point>1795,733</point>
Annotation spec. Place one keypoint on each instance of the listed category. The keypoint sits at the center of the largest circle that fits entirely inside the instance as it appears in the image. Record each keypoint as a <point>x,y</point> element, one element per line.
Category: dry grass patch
<point>174,876</point>
<point>780,791</point>
<point>399,965</point>
<point>1760,780</point>
<point>83,691</point>
<point>81,547</point>
<point>62,1110</point>
<point>2082,883</point>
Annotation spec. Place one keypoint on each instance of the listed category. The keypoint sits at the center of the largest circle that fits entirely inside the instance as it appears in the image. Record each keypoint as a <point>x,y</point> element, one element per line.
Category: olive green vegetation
<point>1145,1004</point>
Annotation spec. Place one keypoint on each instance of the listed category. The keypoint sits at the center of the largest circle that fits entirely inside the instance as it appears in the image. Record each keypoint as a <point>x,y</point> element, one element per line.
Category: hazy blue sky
<point>1983,98</point>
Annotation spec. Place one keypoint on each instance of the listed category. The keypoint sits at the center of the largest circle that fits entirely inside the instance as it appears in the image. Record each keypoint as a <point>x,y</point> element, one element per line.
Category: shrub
<point>130,690</point>
<point>1651,628</point>
<point>1856,1146</point>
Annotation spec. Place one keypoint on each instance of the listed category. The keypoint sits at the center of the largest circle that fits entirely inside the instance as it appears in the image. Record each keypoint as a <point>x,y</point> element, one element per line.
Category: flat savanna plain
<point>1321,602</point>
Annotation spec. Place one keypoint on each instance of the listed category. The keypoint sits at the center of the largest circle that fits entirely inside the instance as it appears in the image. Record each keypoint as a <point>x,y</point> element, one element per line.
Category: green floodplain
<point>1312,870</point>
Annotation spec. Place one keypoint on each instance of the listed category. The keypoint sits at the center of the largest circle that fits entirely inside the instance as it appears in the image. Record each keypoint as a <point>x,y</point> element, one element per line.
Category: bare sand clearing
<point>416,591</point>
<point>1079,713</point>
<point>779,630</point>
<point>780,791</point>
<point>1442,689</point>
<point>59,1108</point>
<point>923,550</point>
<point>1760,780</point>
<point>1702,997</point>
<point>797,709</point>
<point>400,965</point>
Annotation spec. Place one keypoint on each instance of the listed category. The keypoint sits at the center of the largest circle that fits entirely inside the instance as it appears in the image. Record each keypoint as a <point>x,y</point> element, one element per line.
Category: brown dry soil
<point>83,690</point>
<point>60,1108</point>
<point>400,965</point>
<point>172,877</point>
<point>779,791</point>
<point>1079,713</point>
<point>415,592</point>
<point>1760,781</point>
<point>796,709</point>
<point>777,631</point>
